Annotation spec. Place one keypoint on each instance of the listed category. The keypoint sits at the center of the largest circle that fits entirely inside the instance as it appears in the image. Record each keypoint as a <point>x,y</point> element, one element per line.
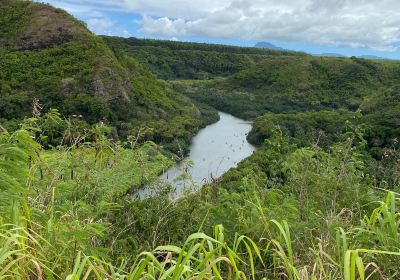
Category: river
<point>213,151</point>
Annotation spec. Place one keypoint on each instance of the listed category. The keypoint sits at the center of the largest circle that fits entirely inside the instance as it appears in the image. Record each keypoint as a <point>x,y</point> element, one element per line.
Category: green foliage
<point>379,232</point>
<point>171,60</point>
<point>13,17</point>
<point>52,128</point>
<point>282,219</point>
<point>382,114</point>
<point>292,210</point>
<point>326,183</point>
<point>295,84</point>
<point>62,198</point>
<point>17,151</point>
<point>321,128</point>
<point>76,72</point>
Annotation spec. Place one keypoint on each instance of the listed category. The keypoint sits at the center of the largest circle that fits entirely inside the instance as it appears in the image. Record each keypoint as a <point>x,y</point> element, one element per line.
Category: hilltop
<point>49,55</point>
<point>29,26</point>
<point>266,45</point>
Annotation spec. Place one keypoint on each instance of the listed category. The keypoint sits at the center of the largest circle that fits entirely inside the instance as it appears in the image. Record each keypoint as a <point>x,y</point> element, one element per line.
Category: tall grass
<point>382,228</point>
<point>22,256</point>
<point>35,244</point>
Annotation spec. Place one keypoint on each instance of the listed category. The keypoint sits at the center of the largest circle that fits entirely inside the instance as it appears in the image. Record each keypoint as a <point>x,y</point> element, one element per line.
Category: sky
<point>348,27</point>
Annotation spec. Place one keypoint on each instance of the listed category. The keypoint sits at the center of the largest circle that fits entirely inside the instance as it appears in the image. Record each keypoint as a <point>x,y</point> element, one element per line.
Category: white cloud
<point>105,26</point>
<point>357,23</point>
<point>354,23</point>
<point>100,25</point>
<point>123,33</point>
<point>188,9</point>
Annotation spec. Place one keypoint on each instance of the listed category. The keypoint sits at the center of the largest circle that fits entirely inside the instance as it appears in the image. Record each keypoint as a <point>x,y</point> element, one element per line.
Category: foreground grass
<point>113,174</point>
<point>210,257</point>
<point>57,209</point>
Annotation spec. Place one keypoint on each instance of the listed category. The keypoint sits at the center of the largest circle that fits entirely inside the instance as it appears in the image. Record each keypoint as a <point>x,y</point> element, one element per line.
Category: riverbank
<point>213,151</point>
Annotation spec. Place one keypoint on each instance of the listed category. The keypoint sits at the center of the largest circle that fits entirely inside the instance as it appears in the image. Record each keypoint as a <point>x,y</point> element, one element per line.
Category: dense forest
<point>48,55</point>
<point>87,121</point>
<point>281,85</point>
<point>172,60</point>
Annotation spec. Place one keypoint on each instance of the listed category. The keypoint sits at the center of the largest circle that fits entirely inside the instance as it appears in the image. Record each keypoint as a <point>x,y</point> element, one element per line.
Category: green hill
<point>296,84</point>
<point>49,55</point>
<point>172,60</point>
<point>303,91</point>
<point>382,114</point>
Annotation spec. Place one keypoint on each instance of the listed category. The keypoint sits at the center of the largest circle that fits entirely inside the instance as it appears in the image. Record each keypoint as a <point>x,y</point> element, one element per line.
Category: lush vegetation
<point>309,97</point>
<point>323,127</point>
<point>317,200</point>
<point>172,60</point>
<point>295,84</point>
<point>77,73</point>
<point>382,115</point>
<point>312,213</point>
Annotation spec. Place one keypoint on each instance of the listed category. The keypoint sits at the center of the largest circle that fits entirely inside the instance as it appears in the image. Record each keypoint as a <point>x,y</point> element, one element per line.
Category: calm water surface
<point>214,150</point>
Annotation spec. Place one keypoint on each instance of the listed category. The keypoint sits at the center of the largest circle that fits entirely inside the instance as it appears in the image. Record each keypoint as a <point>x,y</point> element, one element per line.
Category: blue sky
<point>348,27</point>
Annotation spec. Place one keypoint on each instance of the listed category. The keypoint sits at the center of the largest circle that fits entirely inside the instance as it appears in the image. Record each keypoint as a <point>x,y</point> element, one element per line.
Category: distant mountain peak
<point>266,45</point>
<point>373,57</point>
<point>331,55</point>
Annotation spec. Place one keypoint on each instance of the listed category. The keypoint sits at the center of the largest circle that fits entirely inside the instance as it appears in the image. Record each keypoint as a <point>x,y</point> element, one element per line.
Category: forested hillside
<point>249,82</point>
<point>313,93</point>
<point>296,84</point>
<point>48,55</point>
<point>86,122</point>
<point>172,60</point>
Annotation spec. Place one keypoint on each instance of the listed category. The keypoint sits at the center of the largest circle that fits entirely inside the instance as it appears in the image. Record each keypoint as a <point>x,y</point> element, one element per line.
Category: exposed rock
<point>47,27</point>
<point>98,88</point>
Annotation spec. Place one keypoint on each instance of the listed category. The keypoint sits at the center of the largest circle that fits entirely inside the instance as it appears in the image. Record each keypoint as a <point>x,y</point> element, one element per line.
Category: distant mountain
<point>372,57</point>
<point>266,45</point>
<point>331,55</point>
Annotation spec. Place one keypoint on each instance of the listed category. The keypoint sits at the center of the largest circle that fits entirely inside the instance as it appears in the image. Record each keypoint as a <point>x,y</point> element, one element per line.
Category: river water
<point>214,150</point>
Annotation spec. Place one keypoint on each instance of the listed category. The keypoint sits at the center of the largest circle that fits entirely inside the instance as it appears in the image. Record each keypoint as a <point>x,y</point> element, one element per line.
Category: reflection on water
<point>214,150</point>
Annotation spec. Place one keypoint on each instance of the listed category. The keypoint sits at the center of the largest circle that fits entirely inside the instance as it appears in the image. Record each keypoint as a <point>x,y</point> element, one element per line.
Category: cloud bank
<point>371,24</point>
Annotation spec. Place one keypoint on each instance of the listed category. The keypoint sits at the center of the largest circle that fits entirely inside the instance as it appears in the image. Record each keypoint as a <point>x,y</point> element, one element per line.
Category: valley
<point>214,150</point>
<point>127,158</point>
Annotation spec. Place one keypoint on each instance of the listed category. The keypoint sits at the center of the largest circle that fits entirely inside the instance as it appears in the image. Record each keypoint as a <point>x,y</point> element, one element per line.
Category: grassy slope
<point>121,171</point>
<point>70,195</point>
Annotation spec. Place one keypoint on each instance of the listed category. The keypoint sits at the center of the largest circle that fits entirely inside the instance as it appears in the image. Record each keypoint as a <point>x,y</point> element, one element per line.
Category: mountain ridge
<point>267,45</point>
<point>49,55</point>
